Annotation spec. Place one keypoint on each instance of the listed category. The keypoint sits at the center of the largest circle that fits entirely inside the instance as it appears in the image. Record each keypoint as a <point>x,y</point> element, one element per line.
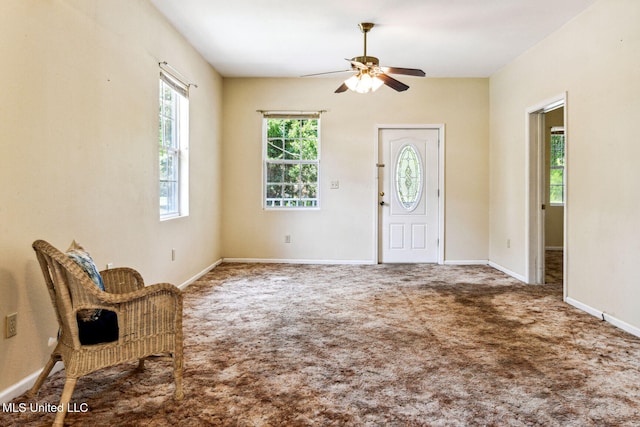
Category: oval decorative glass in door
<point>408,177</point>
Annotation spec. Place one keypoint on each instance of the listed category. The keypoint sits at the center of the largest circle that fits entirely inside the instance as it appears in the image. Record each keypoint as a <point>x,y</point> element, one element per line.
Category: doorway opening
<point>547,192</point>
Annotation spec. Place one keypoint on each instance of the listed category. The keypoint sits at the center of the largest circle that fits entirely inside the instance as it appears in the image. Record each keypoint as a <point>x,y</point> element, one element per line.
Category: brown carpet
<point>554,267</point>
<point>377,345</point>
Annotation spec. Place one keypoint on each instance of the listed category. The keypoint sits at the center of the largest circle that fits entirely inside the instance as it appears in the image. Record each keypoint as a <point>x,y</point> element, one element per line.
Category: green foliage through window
<point>291,162</point>
<point>556,167</point>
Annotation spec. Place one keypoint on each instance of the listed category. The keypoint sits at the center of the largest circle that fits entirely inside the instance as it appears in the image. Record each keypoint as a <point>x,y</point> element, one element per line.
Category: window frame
<point>266,161</point>
<point>557,130</point>
<point>179,150</point>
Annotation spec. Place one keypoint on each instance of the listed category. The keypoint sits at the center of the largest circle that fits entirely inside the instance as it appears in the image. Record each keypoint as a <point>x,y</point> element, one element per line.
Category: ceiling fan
<point>369,74</point>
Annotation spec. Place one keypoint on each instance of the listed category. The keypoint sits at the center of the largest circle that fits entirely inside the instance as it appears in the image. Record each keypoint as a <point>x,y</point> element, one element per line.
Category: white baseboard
<point>466,262</point>
<point>604,316</point>
<point>199,275</point>
<point>297,261</point>
<point>584,307</point>
<point>25,384</point>
<point>507,271</point>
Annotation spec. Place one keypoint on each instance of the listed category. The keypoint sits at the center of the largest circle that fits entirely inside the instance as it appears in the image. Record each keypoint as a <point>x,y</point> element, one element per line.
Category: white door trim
<point>441,184</point>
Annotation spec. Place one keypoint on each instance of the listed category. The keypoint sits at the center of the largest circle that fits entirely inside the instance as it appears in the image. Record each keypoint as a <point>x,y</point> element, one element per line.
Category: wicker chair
<point>149,321</point>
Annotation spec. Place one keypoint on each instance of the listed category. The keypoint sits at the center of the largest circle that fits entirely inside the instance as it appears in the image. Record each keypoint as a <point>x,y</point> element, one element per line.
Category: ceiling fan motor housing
<point>369,61</point>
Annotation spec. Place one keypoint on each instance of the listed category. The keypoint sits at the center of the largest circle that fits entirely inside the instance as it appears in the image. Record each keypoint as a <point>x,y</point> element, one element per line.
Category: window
<point>291,160</point>
<point>173,148</point>
<point>556,167</point>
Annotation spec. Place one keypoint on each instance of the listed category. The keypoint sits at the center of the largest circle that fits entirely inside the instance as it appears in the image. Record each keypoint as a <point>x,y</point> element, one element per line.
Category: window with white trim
<point>173,148</point>
<point>291,163</point>
<point>556,167</point>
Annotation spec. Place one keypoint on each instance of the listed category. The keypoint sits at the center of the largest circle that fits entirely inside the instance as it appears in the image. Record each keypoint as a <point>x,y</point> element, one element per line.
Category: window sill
<point>285,209</point>
<point>170,217</point>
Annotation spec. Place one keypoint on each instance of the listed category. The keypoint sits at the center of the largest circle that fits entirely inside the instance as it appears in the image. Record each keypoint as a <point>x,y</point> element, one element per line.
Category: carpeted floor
<point>376,345</point>
<point>554,267</point>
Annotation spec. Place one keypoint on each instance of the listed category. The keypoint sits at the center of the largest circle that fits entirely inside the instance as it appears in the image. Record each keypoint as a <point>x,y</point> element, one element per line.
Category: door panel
<point>396,236</point>
<point>419,236</point>
<point>408,189</point>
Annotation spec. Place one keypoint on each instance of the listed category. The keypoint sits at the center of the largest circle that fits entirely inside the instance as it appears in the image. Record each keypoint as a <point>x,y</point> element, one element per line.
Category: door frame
<point>441,185</point>
<point>536,190</point>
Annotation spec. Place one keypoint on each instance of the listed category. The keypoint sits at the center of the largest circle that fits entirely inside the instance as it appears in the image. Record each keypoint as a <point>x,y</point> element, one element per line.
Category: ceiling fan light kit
<point>370,76</point>
<point>363,82</point>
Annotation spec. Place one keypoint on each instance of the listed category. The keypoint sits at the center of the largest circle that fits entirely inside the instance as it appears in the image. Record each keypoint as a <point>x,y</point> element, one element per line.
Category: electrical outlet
<point>12,325</point>
<point>287,238</point>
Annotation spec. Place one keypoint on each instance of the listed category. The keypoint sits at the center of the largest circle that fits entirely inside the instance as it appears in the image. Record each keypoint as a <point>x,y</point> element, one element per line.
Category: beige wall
<point>78,137</point>
<point>343,229</point>
<point>596,59</point>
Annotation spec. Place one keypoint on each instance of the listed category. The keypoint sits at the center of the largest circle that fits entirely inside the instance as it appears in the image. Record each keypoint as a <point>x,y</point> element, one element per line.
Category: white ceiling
<point>291,38</point>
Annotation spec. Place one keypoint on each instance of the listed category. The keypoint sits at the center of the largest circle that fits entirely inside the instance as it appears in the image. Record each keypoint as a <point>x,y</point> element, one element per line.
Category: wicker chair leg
<point>179,394</point>
<point>140,365</point>
<point>177,373</point>
<point>67,391</point>
<point>33,392</point>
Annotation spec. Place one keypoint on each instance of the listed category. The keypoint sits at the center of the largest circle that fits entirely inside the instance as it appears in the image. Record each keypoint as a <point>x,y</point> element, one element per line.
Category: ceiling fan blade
<point>327,72</point>
<point>406,71</point>
<point>343,88</point>
<point>393,83</point>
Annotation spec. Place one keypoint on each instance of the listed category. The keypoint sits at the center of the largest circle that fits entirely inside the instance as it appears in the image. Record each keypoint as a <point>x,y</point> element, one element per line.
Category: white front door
<point>408,195</point>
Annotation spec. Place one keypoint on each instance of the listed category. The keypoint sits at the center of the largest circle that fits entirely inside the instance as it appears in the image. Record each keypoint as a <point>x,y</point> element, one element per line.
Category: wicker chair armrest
<point>121,280</point>
<point>142,293</point>
<point>149,312</point>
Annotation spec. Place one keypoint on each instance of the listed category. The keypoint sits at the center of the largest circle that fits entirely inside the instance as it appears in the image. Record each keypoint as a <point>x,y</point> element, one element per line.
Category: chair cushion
<point>94,326</point>
<point>84,260</point>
